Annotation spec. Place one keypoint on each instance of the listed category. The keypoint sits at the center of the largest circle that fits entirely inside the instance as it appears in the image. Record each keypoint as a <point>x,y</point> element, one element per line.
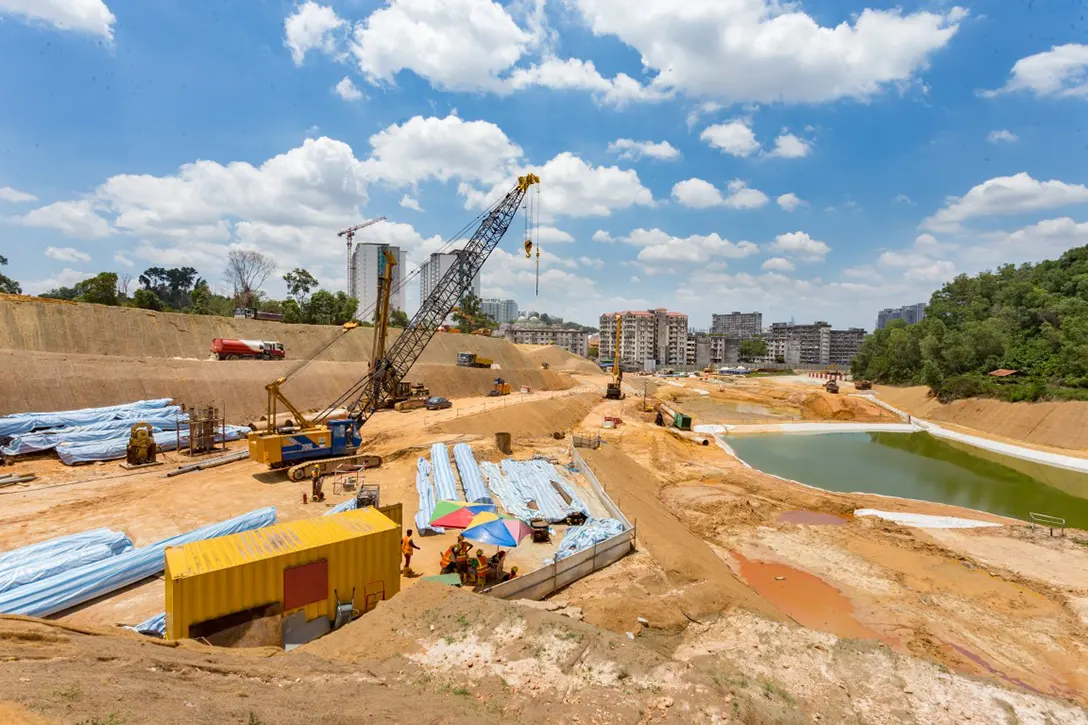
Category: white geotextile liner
<point>160,419</point>
<point>445,485</point>
<point>426,498</point>
<point>510,495</point>
<point>926,521</point>
<point>532,479</point>
<point>76,586</point>
<point>25,422</point>
<point>467,468</point>
<point>593,532</point>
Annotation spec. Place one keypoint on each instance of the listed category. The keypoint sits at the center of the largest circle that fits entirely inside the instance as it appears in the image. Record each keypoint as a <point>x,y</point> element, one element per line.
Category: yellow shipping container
<point>289,567</point>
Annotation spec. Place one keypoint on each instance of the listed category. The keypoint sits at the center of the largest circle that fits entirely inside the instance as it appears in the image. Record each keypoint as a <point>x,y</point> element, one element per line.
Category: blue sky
<point>814,160</point>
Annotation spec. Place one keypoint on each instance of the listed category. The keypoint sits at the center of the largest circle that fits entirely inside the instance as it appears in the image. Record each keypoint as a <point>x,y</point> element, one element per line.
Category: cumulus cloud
<point>1004,195</point>
<point>700,194</point>
<point>410,202</point>
<point>778,264</point>
<point>346,89</point>
<point>634,150</point>
<point>1002,136</point>
<point>67,254</point>
<point>657,246</point>
<point>903,199</point>
<point>87,16</point>
<point>65,278</point>
<point>801,246</point>
<point>73,218</point>
<point>735,138</point>
<point>789,201</point>
<point>311,27</point>
<point>553,235</point>
<point>772,52</point>
<point>602,236</point>
<point>1061,72</point>
<point>581,75</point>
<point>14,196</point>
<point>789,146</point>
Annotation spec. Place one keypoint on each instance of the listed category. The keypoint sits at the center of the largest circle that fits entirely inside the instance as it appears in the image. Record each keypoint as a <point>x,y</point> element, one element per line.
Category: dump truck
<point>472,360</point>
<point>831,386</point>
<point>228,349</point>
<point>863,385</point>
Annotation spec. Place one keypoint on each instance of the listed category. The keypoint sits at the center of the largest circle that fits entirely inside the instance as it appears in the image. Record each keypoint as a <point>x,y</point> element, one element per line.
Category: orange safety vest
<point>446,557</point>
<point>460,554</point>
<point>481,564</point>
<point>406,546</point>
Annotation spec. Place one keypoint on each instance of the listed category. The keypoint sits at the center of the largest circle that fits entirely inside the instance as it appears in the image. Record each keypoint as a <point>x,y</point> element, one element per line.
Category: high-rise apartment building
<point>741,325</point>
<point>368,262</point>
<point>910,314</point>
<point>814,340</point>
<point>499,310</point>
<point>844,345</point>
<point>536,333</point>
<point>431,271</point>
<point>657,335</point>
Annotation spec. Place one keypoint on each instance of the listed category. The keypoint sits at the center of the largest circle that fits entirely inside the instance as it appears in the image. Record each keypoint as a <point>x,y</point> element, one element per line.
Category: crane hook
<point>528,248</point>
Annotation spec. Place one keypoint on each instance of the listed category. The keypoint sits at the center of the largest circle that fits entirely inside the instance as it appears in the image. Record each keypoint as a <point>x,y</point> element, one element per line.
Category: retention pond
<point>919,466</point>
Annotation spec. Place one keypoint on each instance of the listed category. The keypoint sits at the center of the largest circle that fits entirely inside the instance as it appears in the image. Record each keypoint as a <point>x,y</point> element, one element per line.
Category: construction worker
<point>447,563</point>
<point>482,564</point>
<point>315,489</point>
<point>460,556</point>
<point>406,548</point>
<point>511,575</point>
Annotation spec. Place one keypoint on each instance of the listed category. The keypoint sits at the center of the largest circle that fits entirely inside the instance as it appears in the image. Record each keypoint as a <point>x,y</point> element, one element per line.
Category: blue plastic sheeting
<point>154,626</point>
<point>593,532</point>
<point>511,497</point>
<point>25,422</point>
<point>64,545</point>
<point>475,490</point>
<point>109,449</point>
<point>533,480</point>
<point>73,587</point>
<point>426,498</point>
<point>44,568</point>
<point>444,484</point>
<point>340,508</point>
<point>161,419</point>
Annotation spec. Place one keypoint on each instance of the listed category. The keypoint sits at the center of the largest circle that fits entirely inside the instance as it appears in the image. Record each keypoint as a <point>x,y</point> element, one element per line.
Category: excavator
<point>326,443</point>
<point>614,391</point>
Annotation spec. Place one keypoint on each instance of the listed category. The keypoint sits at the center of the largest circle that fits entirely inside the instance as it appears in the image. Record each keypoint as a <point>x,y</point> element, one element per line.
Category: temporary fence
<point>73,587</point>
<point>106,450</point>
<point>161,419</point>
<point>25,422</point>
<point>469,471</point>
<point>444,484</point>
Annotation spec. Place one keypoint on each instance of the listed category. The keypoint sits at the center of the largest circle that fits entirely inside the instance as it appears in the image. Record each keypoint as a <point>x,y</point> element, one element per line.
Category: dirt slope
<point>1061,425</point>
<point>560,359</point>
<point>527,419</point>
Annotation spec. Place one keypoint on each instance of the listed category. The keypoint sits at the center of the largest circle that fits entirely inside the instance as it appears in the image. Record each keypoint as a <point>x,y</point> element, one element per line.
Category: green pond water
<point>919,466</point>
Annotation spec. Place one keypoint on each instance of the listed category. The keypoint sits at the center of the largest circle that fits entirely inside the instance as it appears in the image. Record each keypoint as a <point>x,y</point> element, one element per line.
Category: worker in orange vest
<point>512,574</point>
<point>481,563</point>
<point>460,556</point>
<point>406,548</point>
<point>447,563</point>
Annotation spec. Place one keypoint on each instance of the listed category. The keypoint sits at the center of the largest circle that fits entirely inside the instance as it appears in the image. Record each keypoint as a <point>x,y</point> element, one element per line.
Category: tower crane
<point>350,234</point>
<point>324,442</point>
<point>614,391</point>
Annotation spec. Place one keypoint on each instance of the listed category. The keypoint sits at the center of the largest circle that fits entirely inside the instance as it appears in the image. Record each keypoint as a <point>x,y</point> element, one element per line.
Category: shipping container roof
<point>224,552</point>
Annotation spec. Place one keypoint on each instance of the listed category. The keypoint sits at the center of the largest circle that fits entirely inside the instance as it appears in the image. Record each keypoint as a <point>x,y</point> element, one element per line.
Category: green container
<point>681,421</point>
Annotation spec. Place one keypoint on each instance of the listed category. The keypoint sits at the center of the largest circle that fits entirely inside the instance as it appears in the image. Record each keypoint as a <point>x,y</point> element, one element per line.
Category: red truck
<point>226,349</point>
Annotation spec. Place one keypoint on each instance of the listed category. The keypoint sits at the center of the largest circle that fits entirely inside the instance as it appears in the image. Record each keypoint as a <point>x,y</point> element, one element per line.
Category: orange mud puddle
<point>809,600</point>
<point>813,518</point>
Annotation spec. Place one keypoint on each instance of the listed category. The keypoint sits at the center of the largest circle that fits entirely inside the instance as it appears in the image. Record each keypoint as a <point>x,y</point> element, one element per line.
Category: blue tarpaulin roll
<point>25,422</point>
<point>63,545</point>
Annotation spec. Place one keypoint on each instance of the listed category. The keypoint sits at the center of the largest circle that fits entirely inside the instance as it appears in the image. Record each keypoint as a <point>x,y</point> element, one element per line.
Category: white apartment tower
<point>431,271</point>
<point>657,335</point>
<point>369,265</point>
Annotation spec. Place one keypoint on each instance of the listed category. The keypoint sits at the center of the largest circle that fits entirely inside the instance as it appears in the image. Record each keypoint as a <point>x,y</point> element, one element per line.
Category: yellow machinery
<point>141,445</point>
<point>501,387</point>
<point>614,391</point>
<point>327,443</point>
<point>486,332</point>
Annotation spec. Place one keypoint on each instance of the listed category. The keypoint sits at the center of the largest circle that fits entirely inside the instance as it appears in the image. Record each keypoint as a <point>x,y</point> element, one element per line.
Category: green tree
<point>61,293</point>
<point>202,299</point>
<point>147,300</point>
<point>321,309</point>
<point>299,283</point>
<point>7,284</point>
<point>344,308</point>
<point>173,286</point>
<point>292,313</point>
<point>399,319</point>
<point>752,348</point>
<point>100,289</point>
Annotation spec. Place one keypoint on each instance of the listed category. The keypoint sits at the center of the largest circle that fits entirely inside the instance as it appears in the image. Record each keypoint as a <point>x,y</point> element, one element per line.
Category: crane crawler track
<point>302,471</point>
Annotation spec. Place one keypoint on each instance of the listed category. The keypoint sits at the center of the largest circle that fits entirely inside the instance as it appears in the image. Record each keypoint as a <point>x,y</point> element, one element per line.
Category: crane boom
<point>373,391</point>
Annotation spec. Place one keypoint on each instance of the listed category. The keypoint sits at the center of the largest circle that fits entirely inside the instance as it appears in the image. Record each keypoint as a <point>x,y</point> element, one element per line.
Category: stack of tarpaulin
<point>80,584</point>
<point>112,448</point>
<point>444,484</point>
<point>473,482</point>
<point>593,532</point>
<point>48,558</point>
<point>531,489</point>
<point>427,498</point>
<point>11,425</point>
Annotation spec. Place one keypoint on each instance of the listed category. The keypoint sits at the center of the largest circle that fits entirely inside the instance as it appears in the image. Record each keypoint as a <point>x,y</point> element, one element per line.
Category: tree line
<point>1031,318</point>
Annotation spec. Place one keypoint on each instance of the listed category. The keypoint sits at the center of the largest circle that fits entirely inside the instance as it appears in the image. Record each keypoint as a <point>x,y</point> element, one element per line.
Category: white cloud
<point>123,259</point>
<point>768,51</point>
<point>553,235</point>
<point>311,27</point>
<point>801,246</point>
<point>1005,195</point>
<point>73,218</point>
<point>14,196</point>
<point>410,202</point>
<point>635,279</point>
<point>1004,135</point>
<point>441,148</point>
<point>347,90</point>
<point>1046,239</point>
<point>658,246</point>
<point>602,236</point>
<point>67,254</point>
<point>1059,72</point>
<point>788,146</point>
<point>789,201</point>
<point>778,264</point>
<point>734,137</point>
<point>88,16</point>
<point>903,199</point>
<point>582,75</point>
<point>629,149</point>
<point>64,278</point>
<point>703,109</point>
<point>591,262</point>
<point>454,44</point>
<point>700,194</point>
<point>928,244</point>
